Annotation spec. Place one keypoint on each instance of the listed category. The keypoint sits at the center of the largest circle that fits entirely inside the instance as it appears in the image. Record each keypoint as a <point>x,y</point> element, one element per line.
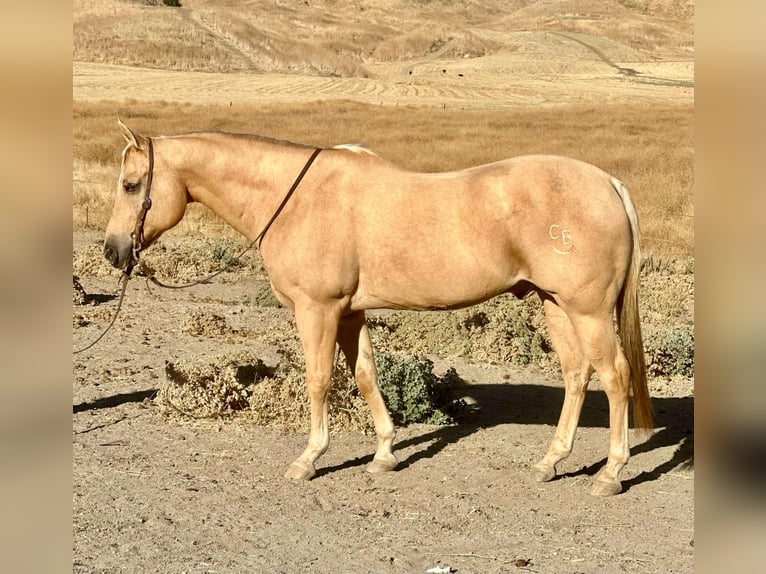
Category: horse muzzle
<point>118,251</point>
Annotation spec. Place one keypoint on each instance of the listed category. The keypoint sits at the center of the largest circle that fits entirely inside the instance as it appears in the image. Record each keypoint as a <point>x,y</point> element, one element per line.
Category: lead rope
<point>124,282</point>
<point>138,238</point>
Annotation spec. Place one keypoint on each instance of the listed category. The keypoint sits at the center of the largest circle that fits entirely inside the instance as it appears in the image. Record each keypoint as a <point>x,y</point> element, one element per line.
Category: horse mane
<point>359,148</point>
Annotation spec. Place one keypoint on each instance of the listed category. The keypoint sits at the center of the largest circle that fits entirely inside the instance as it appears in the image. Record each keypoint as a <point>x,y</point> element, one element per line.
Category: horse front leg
<point>354,341</point>
<point>318,327</point>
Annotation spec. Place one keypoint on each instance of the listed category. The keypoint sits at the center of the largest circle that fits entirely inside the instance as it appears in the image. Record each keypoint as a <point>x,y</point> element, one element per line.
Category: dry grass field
<point>442,54</point>
<point>432,85</point>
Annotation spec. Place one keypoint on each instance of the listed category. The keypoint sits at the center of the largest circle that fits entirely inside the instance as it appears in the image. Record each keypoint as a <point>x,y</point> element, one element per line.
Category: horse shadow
<point>506,404</point>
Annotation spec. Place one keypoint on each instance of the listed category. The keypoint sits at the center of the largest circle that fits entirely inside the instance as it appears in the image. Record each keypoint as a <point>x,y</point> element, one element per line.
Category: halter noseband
<point>138,233</point>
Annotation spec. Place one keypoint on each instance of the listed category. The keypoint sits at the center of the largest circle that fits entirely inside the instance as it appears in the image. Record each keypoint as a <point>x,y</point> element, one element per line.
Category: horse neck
<point>241,179</point>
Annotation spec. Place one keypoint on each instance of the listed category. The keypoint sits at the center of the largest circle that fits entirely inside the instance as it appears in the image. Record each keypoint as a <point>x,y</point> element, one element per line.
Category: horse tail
<point>629,323</point>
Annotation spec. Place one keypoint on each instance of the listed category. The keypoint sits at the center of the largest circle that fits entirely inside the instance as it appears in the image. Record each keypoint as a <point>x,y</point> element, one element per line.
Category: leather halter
<point>138,233</point>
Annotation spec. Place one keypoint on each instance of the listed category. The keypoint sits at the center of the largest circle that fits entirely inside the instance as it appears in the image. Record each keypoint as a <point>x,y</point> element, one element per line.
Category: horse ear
<point>130,136</point>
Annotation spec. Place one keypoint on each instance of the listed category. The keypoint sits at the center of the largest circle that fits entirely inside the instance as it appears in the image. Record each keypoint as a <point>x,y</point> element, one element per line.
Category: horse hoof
<point>606,487</point>
<point>300,471</point>
<point>543,473</point>
<point>380,465</point>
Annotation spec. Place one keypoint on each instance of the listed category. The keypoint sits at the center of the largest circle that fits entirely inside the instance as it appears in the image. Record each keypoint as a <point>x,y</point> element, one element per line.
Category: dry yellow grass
<point>648,147</point>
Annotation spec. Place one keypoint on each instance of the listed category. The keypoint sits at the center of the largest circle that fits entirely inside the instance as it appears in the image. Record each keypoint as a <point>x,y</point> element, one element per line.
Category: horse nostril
<point>110,255</point>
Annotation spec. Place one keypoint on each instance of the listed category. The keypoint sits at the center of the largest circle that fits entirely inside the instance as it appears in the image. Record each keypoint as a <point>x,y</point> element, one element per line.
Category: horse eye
<point>130,187</point>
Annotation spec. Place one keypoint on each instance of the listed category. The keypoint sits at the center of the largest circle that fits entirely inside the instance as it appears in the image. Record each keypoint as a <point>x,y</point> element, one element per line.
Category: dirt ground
<point>156,493</point>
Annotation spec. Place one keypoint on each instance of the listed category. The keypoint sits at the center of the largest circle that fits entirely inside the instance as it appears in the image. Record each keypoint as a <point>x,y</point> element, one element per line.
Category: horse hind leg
<point>576,371</point>
<point>601,347</point>
<point>354,341</point>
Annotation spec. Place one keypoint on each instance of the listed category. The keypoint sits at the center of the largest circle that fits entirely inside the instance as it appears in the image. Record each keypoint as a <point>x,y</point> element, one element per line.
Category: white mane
<point>355,148</point>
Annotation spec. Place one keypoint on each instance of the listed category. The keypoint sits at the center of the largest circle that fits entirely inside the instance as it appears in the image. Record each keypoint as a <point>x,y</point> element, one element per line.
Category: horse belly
<point>434,283</point>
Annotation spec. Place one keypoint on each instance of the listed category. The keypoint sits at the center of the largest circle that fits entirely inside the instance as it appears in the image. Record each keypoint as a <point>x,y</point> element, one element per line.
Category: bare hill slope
<point>431,52</point>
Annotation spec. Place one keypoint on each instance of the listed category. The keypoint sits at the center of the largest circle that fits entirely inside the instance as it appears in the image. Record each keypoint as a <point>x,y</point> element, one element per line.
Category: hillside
<point>432,52</point>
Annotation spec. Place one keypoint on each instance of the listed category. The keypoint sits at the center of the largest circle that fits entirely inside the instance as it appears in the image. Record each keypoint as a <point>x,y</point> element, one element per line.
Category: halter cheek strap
<point>138,233</point>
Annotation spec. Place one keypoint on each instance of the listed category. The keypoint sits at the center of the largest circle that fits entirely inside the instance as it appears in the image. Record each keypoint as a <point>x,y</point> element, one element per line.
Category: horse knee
<point>317,387</point>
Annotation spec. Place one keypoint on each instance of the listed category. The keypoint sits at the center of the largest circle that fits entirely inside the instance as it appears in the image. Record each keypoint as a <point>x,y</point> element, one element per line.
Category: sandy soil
<point>154,493</point>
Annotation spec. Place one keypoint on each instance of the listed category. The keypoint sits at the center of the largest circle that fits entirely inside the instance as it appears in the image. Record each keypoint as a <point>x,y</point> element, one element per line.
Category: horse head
<point>150,200</point>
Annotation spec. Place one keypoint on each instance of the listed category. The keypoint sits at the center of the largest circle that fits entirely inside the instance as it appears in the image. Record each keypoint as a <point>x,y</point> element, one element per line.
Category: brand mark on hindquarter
<point>564,241</point>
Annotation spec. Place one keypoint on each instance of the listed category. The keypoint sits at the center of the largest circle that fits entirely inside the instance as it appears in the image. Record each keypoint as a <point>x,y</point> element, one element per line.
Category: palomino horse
<point>360,233</point>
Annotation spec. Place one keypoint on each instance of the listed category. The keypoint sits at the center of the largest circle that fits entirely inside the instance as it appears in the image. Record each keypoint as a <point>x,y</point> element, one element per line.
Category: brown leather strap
<point>296,183</point>
<point>146,204</point>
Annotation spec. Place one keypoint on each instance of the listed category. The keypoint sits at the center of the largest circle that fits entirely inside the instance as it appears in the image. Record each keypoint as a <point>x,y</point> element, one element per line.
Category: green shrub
<point>414,394</point>
<point>670,350</point>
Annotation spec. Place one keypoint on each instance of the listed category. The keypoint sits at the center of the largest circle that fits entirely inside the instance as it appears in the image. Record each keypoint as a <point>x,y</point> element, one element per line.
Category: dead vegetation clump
<point>242,383</point>
<point>215,389</point>
<point>262,296</point>
<point>79,296</point>
<point>281,400</point>
<point>202,323</point>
